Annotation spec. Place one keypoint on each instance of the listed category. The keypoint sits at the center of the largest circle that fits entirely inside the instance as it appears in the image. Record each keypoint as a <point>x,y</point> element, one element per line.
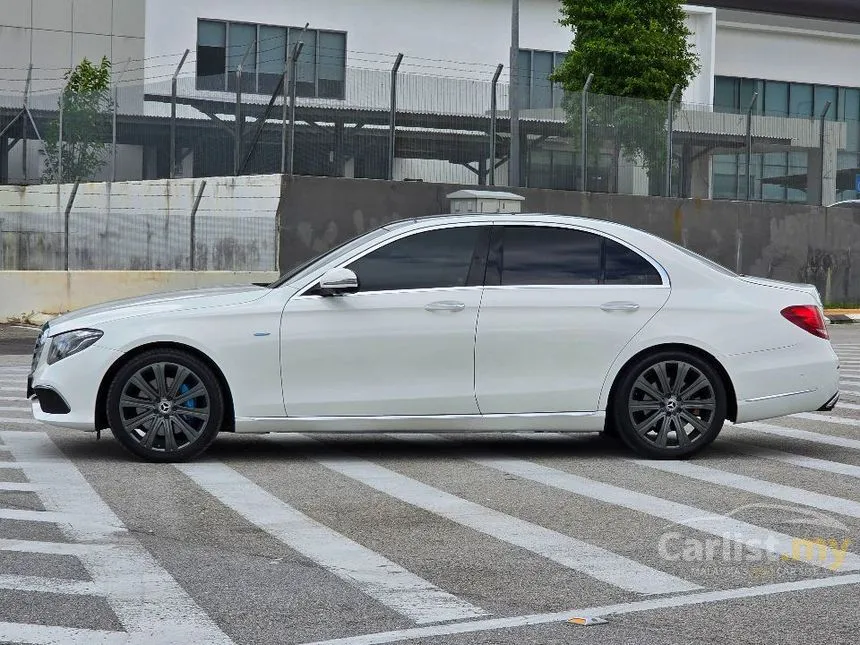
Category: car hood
<point>158,303</point>
<point>810,289</point>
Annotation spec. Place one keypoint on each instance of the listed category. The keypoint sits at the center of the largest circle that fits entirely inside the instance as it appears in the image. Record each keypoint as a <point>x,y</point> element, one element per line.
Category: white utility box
<point>485,201</point>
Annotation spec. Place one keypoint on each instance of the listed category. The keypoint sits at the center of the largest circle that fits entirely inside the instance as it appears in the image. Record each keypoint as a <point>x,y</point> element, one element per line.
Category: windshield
<point>710,263</point>
<point>303,269</point>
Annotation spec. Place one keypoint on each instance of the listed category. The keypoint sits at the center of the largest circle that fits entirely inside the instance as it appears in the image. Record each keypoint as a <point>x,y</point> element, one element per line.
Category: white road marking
<point>722,526</point>
<point>756,486</point>
<point>805,435</point>
<point>848,406</point>
<point>824,465</point>
<point>149,603</point>
<point>38,584</point>
<point>17,408</point>
<point>17,486</point>
<point>652,604</point>
<point>827,418</point>
<point>45,635</point>
<point>376,576</point>
<point>19,421</point>
<point>13,398</point>
<point>594,561</point>
<point>851,393</point>
<point>54,548</point>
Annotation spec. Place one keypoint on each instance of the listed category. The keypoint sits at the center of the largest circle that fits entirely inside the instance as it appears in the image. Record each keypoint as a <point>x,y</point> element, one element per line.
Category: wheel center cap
<point>671,405</point>
<point>165,407</point>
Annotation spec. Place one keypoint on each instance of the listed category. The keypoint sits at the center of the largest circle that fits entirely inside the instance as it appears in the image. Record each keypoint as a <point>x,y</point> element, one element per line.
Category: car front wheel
<point>165,405</point>
<point>670,405</point>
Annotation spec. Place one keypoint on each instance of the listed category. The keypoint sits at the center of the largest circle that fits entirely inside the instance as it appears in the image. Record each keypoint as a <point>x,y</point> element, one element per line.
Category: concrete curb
<point>841,317</point>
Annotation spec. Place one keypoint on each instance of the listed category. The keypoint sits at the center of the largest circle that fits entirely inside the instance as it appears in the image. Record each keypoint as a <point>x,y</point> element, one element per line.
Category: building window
<point>537,92</point>
<point>222,46</point>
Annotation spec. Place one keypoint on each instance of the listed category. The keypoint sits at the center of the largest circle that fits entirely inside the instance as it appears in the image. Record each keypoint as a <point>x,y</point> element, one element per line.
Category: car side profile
<point>466,323</point>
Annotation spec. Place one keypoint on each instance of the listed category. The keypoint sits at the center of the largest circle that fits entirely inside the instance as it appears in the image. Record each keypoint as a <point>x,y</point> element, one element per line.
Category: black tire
<point>685,418</point>
<point>165,405</point>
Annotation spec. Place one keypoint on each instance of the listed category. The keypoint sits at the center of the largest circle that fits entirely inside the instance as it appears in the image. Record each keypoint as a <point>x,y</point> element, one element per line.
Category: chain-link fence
<point>384,123</point>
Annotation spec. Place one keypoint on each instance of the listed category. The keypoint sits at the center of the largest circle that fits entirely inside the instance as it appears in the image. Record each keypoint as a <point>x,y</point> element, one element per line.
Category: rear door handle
<point>445,305</point>
<point>619,306</point>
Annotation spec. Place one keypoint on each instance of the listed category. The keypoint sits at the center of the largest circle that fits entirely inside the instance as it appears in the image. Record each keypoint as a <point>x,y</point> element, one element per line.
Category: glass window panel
<point>243,39</point>
<point>823,94</point>
<point>800,100</point>
<point>332,64</point>
<point>273,47</point>
<point>524,74</point>
<point>541,255</point>
<point>774,166</point>
<point>748,87</point>
<point>775,98</point>
<point>211,54</point>
<point>625,266</point>
<point>851,105</point>
<point>431,260</point>
<point>725,184</point>
<point>306,66</point>
<point>557,91</point>
<point>726,93</point>
<point>541,86</point>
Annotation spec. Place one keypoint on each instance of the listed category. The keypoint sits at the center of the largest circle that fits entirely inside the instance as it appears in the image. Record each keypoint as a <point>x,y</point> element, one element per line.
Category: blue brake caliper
<point>190,403</point>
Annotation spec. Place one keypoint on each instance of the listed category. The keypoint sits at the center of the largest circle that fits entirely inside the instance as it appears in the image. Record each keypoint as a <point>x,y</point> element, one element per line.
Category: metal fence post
<point>26,172</point>
<point>494,114</point>
<point>237,148</point>
<point>584,134</point>
<point>66,221</point>
<point>670,125</point>
<point>749,144</point>
<point>114,107</point>
<point>821,148</point>
<point>514,172</point>
<point>173,82</point>
<point>193,235</point>
<point>284,113</point>
<point>392,118</point>
<point>60,143</point>
<point>294,66</point>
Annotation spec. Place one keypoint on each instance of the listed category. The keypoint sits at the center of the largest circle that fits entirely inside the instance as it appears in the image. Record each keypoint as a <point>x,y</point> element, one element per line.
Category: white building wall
<point>802,51</point>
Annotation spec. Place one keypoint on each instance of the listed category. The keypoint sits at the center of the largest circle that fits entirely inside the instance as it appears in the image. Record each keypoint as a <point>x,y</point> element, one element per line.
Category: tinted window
<point>547,255</point>
<point>434,259</point>
<point>625,266</point>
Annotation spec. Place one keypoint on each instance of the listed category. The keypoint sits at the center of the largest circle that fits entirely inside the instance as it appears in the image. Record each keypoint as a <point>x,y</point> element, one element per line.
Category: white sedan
<point>467,323</point>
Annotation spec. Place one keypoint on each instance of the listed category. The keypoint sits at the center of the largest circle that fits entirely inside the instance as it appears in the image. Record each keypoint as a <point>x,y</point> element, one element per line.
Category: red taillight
<point>808,318</point>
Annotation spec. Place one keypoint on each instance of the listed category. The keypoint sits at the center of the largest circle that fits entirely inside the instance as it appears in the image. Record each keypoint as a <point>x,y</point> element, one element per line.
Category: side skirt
<point>553,422</point>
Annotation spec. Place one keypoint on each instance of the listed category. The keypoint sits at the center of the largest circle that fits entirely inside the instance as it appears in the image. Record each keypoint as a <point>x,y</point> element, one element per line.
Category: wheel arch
<point>104,386</point>
<point>731,404</point>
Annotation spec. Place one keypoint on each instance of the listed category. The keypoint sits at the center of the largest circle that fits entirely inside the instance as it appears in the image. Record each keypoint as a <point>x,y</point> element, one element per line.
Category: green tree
<point>638,51</point>
<point>86,105</point>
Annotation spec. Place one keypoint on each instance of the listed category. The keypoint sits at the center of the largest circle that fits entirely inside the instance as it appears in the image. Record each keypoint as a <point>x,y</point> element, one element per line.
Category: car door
<point>403,344</point>
<point>559,305</point>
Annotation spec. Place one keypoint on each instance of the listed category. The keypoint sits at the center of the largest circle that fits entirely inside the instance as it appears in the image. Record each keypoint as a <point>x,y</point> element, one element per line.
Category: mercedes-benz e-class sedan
<point>467,323</point>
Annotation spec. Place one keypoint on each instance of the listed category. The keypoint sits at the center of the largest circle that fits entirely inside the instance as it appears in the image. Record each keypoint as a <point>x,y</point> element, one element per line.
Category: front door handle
<point>619,306</point>
<point>445,305</point>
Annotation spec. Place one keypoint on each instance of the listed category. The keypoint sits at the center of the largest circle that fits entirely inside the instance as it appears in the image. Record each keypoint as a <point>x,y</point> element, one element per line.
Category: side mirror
<point>338,281</point>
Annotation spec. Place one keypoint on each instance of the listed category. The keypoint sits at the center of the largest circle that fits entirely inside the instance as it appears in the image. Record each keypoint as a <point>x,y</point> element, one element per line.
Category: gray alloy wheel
<point>165,405</point>
<point>670,405</point>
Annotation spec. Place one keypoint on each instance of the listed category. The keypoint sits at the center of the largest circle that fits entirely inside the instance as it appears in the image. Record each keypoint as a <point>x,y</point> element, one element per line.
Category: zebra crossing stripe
<point>651,604</point>
<point>756,486</point>
<point>378,577</point>
<point>804,435</point>
<point>38,584</point>
<point>827,418</point>
<point>722,526</point>
<point>755,450</point>
<point>596,562</point>
<point>167,615</point>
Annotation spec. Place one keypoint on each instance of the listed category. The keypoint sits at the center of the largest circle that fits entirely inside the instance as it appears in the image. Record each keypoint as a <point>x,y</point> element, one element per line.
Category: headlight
<point>71,342</point>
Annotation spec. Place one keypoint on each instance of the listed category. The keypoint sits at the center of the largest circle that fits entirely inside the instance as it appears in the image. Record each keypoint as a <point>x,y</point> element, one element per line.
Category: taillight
<point>809,318</point>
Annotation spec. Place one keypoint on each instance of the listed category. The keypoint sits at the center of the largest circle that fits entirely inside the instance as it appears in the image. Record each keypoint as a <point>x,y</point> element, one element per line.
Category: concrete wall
<point>797,243</point>
<point>30,294</point>
<point>142,225</point>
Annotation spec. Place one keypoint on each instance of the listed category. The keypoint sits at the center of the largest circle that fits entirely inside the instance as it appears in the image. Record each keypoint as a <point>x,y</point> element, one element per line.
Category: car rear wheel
<point>165,405</point>
<point>670,405</point>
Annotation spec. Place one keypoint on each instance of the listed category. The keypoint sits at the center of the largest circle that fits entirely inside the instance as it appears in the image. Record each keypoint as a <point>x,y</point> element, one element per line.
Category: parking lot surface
<point>456,539</point>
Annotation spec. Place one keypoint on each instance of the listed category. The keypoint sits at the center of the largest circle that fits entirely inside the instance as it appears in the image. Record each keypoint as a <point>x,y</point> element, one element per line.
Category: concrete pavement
<point>433,540</point>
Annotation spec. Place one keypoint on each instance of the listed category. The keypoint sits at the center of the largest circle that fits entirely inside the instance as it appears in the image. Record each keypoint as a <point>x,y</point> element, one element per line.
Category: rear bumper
<point>827,407</point>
